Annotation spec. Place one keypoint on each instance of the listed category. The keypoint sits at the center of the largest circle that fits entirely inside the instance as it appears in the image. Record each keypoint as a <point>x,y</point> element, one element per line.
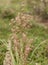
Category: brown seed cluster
<point>22,20</point>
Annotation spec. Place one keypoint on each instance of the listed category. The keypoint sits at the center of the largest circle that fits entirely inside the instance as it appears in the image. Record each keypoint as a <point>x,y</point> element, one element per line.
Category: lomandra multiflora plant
<point>20,50</point>
<point>19,45</point>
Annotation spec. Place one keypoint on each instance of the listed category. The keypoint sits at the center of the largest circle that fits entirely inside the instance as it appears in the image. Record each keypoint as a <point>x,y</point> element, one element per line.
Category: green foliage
<point>2,52</point>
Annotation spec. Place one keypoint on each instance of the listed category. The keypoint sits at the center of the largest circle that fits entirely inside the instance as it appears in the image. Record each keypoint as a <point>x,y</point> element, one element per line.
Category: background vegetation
<point>38,9</point>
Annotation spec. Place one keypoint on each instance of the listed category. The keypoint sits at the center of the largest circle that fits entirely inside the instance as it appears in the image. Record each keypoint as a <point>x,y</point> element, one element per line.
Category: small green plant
<point>8,13</point>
